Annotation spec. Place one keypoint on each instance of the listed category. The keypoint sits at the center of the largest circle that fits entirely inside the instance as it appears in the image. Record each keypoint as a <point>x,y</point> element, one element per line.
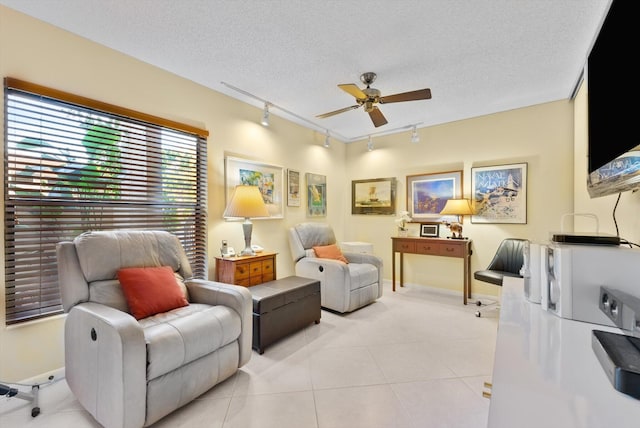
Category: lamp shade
<point>246,202</point>
<point>457,207</point>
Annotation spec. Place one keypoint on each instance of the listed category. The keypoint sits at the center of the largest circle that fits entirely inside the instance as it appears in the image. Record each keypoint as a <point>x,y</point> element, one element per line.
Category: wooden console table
<point>460,248</point>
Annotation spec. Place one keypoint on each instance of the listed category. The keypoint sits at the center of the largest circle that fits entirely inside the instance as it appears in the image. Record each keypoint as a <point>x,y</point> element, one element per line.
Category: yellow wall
<point>33,51</point>
<point>542,136</point>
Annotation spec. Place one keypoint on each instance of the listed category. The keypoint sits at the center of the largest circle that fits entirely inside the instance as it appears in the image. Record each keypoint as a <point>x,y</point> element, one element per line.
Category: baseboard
<point>52,376</point>
<point>443,291</point>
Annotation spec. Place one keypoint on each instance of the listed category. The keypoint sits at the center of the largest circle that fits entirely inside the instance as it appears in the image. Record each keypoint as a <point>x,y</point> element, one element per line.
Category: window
<point>74,165</point>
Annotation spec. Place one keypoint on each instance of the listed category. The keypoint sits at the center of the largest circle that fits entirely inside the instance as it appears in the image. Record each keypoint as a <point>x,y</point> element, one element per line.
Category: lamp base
<point>247,228</point>
<point>247,252</point>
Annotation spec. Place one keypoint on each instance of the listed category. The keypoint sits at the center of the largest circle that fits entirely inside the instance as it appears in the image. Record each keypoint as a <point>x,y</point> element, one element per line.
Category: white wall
<point>542,136</point>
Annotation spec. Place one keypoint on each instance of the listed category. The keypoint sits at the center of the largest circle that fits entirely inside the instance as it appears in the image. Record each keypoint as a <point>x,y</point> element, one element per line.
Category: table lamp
<point>246,202</point>
<point>458,207</point>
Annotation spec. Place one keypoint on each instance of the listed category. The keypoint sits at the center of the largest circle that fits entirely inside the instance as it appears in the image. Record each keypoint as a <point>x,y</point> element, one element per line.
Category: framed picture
<point>269,178</point>
<point>499,194</point>
<point>429,230</point>
<point>427,194</point>
<point>293,188</point>
<point>316,195</point>
<point>374,196</point>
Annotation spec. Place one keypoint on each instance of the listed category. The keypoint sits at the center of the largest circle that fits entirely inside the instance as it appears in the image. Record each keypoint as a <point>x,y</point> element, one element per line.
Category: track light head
<point>414,135</point>
<point>327,143</point>
<point>370,144</point>
<point>265,115</point>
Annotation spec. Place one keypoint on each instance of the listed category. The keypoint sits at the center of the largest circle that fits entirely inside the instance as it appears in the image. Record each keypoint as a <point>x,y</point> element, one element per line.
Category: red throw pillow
<point>330,252</point>
<point>151,290</point>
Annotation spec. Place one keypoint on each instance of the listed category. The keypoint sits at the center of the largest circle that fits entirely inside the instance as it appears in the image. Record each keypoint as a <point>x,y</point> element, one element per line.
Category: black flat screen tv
<point>612,93</point>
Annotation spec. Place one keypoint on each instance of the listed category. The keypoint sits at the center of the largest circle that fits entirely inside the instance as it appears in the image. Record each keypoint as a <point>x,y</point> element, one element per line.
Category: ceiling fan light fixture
<point>414,135</point>
<point>369,98</point>
<point>265,115</point>
<point>368,106</point>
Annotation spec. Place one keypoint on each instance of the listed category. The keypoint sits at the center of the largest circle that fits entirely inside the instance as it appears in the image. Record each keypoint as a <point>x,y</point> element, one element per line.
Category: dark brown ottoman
<point>283,306</point>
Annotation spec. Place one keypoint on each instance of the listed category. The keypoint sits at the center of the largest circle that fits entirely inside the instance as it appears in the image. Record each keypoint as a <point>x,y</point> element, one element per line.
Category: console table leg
<point>393,270</point>
<point>401,270</point>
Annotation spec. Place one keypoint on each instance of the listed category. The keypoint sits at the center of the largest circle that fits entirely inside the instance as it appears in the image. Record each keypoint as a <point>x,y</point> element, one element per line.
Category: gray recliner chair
<point>344,287</point>
<point>130,373</point>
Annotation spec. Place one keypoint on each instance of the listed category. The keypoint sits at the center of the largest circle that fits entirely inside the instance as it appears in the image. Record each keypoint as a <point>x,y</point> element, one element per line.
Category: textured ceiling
<point>478,57</point>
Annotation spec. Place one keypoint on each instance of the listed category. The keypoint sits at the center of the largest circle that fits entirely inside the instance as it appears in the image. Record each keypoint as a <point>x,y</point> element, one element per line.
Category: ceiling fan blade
<point>342,110</point>
<point>377,117</point>
<point>354,90</point>
<point>420,94</point>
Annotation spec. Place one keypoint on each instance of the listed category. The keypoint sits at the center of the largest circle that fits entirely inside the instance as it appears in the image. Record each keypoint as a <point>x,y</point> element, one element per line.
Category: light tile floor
<point>414,359</point>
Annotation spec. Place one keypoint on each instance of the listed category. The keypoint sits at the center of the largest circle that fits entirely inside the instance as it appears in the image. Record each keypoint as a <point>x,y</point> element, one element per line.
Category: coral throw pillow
<point>151,290</point>
<point>330,252</point>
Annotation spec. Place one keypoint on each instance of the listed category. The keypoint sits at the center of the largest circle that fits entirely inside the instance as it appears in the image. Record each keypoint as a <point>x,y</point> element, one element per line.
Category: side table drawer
<point>242,271</point>
<point>245,282</point>
<point>255,269</point>
<point>428,248</point>
<point>268,271</point>
<point>449,250</point>
<point>404,246</point>
<point>267,267</point>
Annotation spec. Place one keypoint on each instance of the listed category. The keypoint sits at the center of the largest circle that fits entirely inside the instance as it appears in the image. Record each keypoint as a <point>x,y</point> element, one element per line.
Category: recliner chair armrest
<point>364,258</point>
<point>370,259</point>
<point>92,331</point>
<point>236,297</point>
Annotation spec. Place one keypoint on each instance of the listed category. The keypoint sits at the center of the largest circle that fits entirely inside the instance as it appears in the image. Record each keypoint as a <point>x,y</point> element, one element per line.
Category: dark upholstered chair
<point>507,261</point>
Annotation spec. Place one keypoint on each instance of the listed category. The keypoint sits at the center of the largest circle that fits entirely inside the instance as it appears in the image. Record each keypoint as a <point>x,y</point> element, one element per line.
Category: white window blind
<point>74,165</point>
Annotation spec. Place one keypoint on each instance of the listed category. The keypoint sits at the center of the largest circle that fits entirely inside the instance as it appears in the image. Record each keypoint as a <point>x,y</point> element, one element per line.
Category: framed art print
<point>374,196</point>
<point>427,194</point>
<point>499,194</point>
<point>293,188</point>
<point>268,178</point>
<point>316,195</point>
<point>430,230</point>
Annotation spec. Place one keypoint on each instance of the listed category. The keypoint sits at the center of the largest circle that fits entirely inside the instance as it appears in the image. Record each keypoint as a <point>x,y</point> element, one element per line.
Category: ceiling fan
<point>369,98</point>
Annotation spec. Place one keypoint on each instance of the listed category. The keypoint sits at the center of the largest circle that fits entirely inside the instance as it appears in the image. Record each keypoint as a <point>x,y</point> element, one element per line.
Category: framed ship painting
<point>374,196</point>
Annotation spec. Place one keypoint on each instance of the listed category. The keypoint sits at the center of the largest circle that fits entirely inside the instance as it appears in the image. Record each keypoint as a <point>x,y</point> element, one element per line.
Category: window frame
<point>166,193</point>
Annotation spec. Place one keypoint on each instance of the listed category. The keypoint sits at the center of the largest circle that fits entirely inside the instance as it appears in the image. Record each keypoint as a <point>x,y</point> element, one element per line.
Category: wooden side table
<point>246,270</point>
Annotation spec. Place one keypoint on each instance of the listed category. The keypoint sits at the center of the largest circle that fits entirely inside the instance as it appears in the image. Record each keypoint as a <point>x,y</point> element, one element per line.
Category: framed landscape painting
<point>499,194</point>
<point>427,194</point>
